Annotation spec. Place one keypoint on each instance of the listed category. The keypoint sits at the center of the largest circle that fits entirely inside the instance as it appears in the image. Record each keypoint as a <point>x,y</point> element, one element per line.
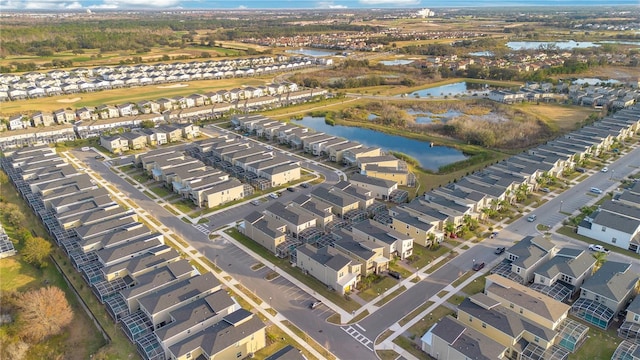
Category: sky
<point>282,4</point>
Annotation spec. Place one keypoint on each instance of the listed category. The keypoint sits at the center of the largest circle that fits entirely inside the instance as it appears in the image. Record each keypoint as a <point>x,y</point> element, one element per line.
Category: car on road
<point>291,189</point>
<point>273,195</point>
<point>395,274</point>
<point>478,266</point>
<point>532,218</point>
<point>595,190</point>
<point>85,148</point>
<point>305,185</point>
<point>598,248</point>
<point>604,169</point>
<point>99,157</point>
<point>545,190</point>
<point>255,202</point>
<point>314,304</point>
<point>500,250</point>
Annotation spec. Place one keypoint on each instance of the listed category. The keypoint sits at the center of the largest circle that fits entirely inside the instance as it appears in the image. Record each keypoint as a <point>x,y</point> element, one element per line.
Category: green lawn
<point>476,286</point>
<point>387,354</point>
<point>599,345</point>
<point>411,347</point>
<point>417,311</point>
<point>418,329</point>
<point>378,288</point>
<point>389,297</point>
<point>569,231</point>
<point>422,256</point>
<point>456,299</point>
<point>161,191</point>
<point>462,278</point>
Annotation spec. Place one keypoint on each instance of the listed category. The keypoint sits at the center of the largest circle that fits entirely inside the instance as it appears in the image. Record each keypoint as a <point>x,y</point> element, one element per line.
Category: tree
<point>3,177</point>
<point>449,227</point>
<point>36,251</point>
<point>601,258</point>
<point>43,312</point>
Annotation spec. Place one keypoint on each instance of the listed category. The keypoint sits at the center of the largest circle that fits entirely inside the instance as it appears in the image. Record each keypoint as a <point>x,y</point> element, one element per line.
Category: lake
<point>429,157</point>
<point>451,89</point>
<point>426,117</point>
<point>396,62</point>
<point>594,81</point>
<point>564,45</point>
<point>481,53</point>
<point>311,52</point>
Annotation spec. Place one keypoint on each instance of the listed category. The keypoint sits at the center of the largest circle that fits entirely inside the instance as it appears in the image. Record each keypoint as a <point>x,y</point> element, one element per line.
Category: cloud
<point>242,7</point>
<point>329,5</point>
<point>392,2</point>
<point>40,4</point>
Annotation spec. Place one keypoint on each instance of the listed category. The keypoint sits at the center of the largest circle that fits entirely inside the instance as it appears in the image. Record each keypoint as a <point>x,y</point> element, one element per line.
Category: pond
<point>311,52</point>
<point>426,117</point>
<point>451,90</point>
<point>564,45</point>
<point>594,81</point>
<point>429,157</point>
<point>481,53</point>
<point>396,62</point>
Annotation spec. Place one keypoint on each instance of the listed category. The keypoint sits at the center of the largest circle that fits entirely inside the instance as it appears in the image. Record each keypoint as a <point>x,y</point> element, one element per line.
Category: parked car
<point>255,202</point>
<point>532,218</point>
<point>581,170</point>
<point>478,266</point>
<point>314,304</point>
<point>305,185</point>
<point>395,274</point>
<point>99,157</point>
<point>596,190</point>
<point>500,250</point>
<point>273,195</point>
<point>605,169</point>
<point>291,189</point>
<point>598,248</point>
<point>545,190</point>
<point>85,148</point>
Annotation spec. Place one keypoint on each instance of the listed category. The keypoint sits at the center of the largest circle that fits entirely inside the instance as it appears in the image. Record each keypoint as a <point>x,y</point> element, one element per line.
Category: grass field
<point>563,118</point>
<point>124,95</point>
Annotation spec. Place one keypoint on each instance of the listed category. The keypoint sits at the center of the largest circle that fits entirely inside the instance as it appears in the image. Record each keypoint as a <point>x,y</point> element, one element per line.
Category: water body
<point>451,89</point>
<point>396,62</point>
<point>426,117</point>
<point>563,45</point>
<point>311,52</point>
<point>481,53</point>
<point>429,157</point>
<point>594,81</point>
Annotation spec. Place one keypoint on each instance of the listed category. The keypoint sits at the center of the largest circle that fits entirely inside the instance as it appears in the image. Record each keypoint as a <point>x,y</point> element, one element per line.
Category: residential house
<point>336,271</point>
<point>135,140</point>
<point>368,254</point>
<point>380,188</point>
<point>564,273</point>
<point>615,222</point>
<point>63,116</point>
<point>606,293</point>
<point>394,243</point>
<point>526,256</point>
<point>295,219</point>
<point>630,328</point>
<point>172,132</point>
<point>42,119</point>
<point>220,193</point>
<point>115,144</point>
<point>265,230</point>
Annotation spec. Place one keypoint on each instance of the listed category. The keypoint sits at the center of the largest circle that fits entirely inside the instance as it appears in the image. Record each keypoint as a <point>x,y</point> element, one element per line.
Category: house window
<point>521,310</point>
<point>511,305</point>
<point>613,240</point>
<point>536,339</point>
<point>470,318</point>
<point>636,317</point>
<point>188,356</point>
<point>518,270</point>
<point>484,325</point>
<point>239,355</point>
<point>604,228</point>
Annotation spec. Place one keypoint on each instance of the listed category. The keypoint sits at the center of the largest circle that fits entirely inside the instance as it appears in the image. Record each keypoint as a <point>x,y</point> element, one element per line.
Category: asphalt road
<point>548,214</point>
<point>285,297</point>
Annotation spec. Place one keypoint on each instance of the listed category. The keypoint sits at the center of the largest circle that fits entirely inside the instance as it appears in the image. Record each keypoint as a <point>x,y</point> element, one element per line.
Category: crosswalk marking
<point>358,336</point>
<point>202,229</point>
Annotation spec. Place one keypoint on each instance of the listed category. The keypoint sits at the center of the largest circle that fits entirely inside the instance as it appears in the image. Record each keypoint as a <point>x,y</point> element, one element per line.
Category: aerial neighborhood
<point>345,183</point>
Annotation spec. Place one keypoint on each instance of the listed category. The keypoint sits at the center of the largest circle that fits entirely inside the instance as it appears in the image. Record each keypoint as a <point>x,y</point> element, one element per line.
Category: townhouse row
<point>88,123</point>
<point>162,303</point>
<point>216,171</point>
<point>371,161</point>
<point>138,139</point>
<point>58,82</point>
<point>511,320</point>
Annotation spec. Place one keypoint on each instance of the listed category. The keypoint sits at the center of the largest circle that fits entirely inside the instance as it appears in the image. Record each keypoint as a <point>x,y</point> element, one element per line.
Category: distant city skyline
<point>284,4</point>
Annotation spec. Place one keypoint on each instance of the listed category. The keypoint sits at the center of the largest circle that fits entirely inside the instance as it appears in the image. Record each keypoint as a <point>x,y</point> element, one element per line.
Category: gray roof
<point>289,213</point>
<point>615,221</point>
<point>469,342</point>
<point>161,277</point>
<point>412,220</point>
<point>503,319</point>
<point>571,262</point>
<point>103,202</point>
<point>614,280</point>
<point>84,196</point>
<point>126,250</point>
<point>270,226</point>
<point>152,259</point>
<point>192,314</point>
<point>622,209</point>
<point>380,232</point>
<point>125,234</point>
<point>333,196</point>
<point>530,250</point>
<point>220,336</point>
<point>82,181</point>
<point>287,353</point>
<point>335,262</point>
<point>348,244</point>
<point>634,307</point>
<point>225,185</point>
<point>95,229</point>
<point>281,168</point>
<point>178,293</point>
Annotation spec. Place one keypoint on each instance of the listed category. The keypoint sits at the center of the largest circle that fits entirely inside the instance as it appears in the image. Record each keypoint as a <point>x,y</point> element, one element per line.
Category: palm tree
<point>449,228</point>
<point>601,258</point>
